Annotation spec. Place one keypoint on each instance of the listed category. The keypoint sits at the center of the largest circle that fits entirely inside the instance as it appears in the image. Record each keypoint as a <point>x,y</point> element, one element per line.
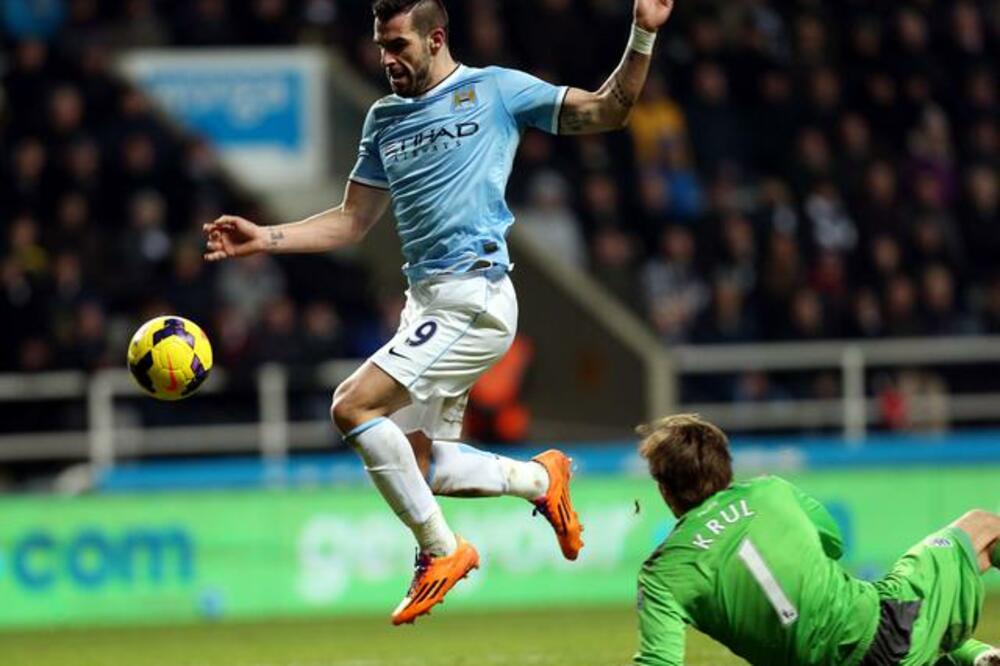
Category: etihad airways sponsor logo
<point>446,137</point>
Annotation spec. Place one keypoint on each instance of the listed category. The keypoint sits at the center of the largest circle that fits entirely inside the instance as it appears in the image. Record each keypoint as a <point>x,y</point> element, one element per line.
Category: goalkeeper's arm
<point>826,526</point>
<point>661,626</point>
<point>971,653</point>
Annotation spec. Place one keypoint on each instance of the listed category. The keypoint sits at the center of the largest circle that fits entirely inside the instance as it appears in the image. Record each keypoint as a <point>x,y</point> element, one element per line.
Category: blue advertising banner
<point>236,108</point>
<point>265,110</point>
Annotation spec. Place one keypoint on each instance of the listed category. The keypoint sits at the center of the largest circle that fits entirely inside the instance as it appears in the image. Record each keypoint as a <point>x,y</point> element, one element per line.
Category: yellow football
<point>170,357</point>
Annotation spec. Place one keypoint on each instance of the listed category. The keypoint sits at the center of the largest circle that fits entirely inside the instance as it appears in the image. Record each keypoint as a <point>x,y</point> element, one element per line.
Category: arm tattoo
<point>624,99</point>
<point>610,106</point>
<point>620,95</point>
<point>574,121</point>
<point>276,237</point>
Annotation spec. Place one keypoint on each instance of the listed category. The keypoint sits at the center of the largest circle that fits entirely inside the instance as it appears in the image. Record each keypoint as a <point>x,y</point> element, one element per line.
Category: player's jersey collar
<point>440,85</point>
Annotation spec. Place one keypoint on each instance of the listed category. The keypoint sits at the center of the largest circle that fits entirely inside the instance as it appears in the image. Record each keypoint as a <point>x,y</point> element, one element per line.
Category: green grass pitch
<point>578,637</point>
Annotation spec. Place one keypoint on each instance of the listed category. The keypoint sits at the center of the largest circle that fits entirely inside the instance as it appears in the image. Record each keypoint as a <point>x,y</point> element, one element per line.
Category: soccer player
<point>754,566</point>
<point>440,149</point>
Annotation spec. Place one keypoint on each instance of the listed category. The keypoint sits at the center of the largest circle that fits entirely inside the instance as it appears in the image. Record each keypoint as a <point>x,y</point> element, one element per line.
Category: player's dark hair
<point>688,456</point>
<point>427,14</point>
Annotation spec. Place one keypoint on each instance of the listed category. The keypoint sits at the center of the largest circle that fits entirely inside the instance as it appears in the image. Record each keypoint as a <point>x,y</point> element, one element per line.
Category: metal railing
<point>108,438</point>
<point>854,411</point>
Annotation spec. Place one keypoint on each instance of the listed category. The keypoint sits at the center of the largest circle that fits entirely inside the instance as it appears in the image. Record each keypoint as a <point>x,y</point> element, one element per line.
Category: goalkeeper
<point>753,565</point>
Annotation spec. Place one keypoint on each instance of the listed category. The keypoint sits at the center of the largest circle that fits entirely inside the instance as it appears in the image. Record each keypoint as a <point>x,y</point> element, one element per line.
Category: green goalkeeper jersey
<point>754,567</point>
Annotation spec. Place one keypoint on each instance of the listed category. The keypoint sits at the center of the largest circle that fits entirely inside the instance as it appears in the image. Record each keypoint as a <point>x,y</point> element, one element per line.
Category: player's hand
<point>231,236</point>
<point>990,658</point>
<point>652,14</point>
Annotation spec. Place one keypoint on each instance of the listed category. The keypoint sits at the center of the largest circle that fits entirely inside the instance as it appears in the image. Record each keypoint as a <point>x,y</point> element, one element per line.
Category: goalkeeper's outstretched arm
<point>971,653</point>
<point>662,625</point>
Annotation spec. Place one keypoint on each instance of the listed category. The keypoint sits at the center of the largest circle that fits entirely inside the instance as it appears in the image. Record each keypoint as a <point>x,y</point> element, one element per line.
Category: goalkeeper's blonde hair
<point>688,456</point>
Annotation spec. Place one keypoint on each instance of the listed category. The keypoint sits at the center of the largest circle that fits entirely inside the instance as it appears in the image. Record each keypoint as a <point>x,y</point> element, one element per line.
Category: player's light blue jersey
<point>446,156</point>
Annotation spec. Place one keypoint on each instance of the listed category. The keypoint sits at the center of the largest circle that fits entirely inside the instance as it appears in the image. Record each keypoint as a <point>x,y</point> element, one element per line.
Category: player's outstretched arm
<point>609,108</point>
<point>231,236</point>
<point>661,624</point>
<point>973,653</point>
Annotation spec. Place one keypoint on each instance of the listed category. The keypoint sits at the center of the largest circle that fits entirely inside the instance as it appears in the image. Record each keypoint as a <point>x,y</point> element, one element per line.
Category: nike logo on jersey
<point>393,352</point>
<point>732,514</point>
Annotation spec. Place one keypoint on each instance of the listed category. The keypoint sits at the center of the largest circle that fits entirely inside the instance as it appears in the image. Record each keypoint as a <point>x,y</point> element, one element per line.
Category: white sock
<point>528,480</point>
<point>459,470</point>
<point>393,468</point>
<point>434,535</point>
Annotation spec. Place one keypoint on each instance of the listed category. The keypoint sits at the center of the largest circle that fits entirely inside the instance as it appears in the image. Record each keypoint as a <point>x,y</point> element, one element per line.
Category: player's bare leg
<point>360,407</point>
<point>458,470</point>
<point>422,446</point>
<point>367,394</point>
<point>983,528</point>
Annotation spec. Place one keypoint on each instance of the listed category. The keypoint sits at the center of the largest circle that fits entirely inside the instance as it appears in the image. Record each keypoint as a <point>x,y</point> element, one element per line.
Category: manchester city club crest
<point>464,98</point>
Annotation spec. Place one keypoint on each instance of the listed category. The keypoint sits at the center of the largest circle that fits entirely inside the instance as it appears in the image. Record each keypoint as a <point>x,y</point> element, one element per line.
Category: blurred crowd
<point>101,207</point>
<point>795,170</point>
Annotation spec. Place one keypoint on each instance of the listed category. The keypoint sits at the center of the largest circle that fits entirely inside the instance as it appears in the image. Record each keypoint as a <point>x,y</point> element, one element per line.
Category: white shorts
<point>452,330</point>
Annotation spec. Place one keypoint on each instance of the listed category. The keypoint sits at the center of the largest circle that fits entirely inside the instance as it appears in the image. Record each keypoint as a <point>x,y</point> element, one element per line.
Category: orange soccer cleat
<point>432,580</point>
<point>556,506</point>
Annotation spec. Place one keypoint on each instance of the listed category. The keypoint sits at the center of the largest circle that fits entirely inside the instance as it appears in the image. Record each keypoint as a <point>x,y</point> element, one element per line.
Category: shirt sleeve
<point>967,653</point>
<point>826,526</point>
<point>530,101</point>
<point>368,170</point>
<point>661,625</point>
